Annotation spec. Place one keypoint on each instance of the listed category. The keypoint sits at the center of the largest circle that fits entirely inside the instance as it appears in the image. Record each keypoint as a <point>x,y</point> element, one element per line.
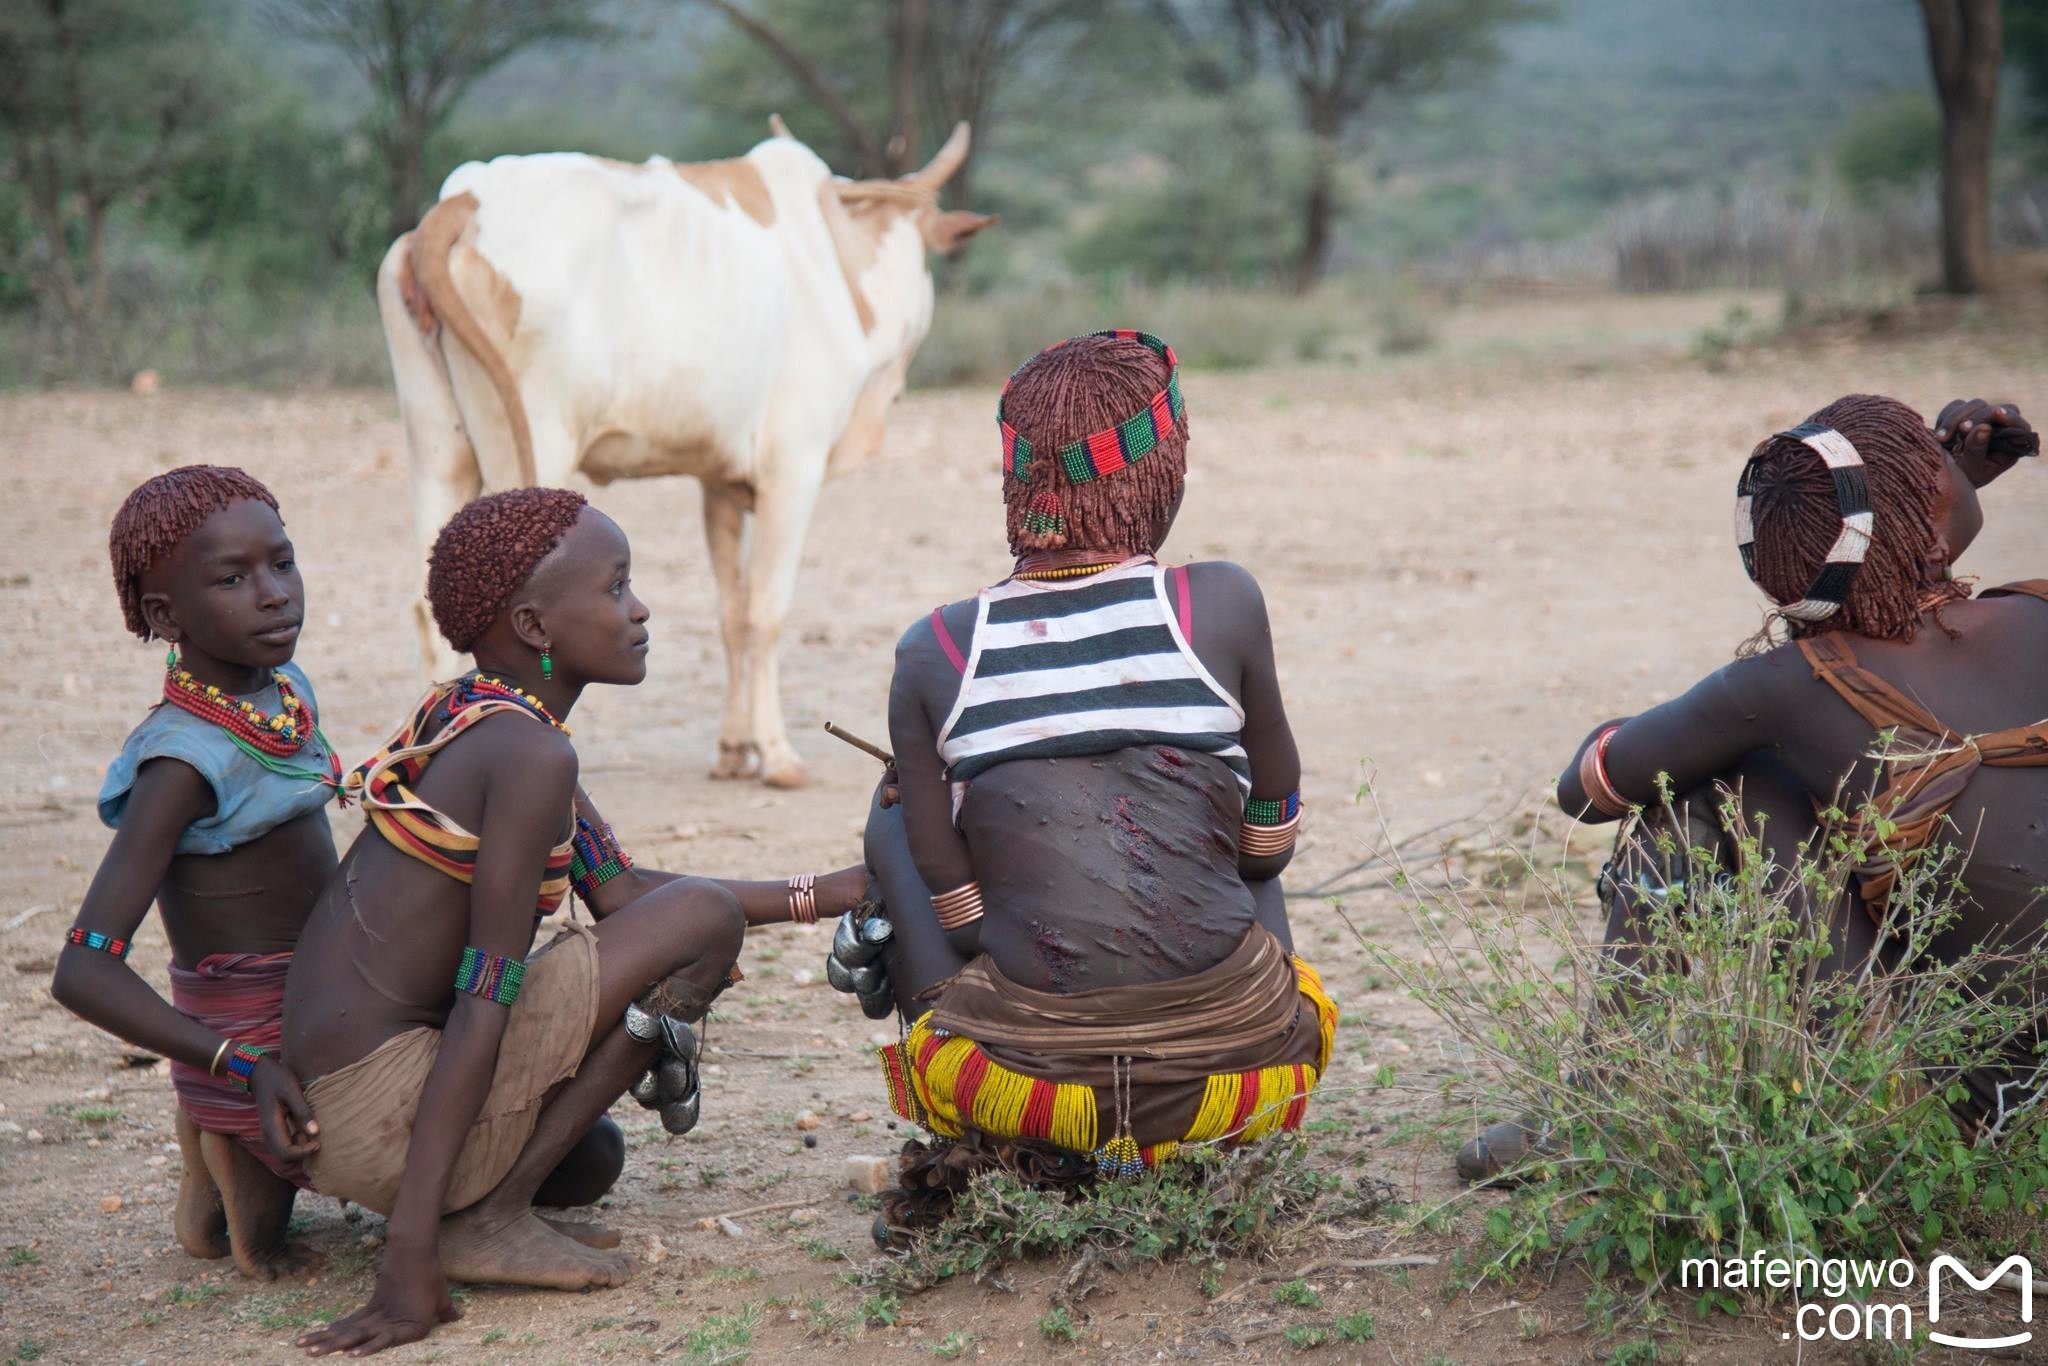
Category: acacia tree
<point>939,64</point>
<point>420,57</point>
<point>1965,39</point>
<point>98,99</point>
<point>1343,56</point>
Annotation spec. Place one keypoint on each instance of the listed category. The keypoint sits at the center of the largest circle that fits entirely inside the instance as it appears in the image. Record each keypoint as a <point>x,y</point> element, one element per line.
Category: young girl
<point>1851,524</point>
<point>459,1070</point>
<point>217,804</point>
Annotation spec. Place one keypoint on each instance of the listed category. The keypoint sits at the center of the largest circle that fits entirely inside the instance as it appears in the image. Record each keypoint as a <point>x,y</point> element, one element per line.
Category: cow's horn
<point>779,128</point>
<point>941,167</point>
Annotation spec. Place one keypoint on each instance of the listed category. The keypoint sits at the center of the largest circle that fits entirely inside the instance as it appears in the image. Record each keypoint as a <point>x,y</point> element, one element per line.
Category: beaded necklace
<point>479,687</point>
<point>267,738</point>
<point>1072,571</point>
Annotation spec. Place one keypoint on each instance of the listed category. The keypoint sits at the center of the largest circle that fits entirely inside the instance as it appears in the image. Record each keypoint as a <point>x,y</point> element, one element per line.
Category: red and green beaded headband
<point>1112,448</point>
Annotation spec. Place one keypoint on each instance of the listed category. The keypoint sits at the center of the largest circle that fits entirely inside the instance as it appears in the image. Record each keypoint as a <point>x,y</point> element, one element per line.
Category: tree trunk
<point>406,155</point>
<point>1319,210</point>
<point>1964,42</point>
<point>901,149</point>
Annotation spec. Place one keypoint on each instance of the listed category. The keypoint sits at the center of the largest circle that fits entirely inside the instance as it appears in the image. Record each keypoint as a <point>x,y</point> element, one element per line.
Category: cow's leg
<point>725,512</point>
<point>443,465</point>
<point>782,516</point>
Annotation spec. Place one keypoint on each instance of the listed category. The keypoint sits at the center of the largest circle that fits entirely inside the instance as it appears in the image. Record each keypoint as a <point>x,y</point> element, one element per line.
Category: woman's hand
<point>888,792</point>
<point>410,1301</point>
<point>289,1129</point>
<point>1986,439</point>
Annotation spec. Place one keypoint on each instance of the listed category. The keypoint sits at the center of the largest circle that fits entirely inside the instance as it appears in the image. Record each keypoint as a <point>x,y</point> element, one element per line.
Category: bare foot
<point>485,1247</point>
<point>258,1206</point>
<point>278,1262</point>
<point>601,1236</point>
<point>201,1220</point>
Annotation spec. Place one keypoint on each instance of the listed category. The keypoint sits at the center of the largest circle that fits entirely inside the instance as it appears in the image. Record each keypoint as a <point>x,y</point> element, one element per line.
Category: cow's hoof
<point>742,760</point>
<point>787,776</point>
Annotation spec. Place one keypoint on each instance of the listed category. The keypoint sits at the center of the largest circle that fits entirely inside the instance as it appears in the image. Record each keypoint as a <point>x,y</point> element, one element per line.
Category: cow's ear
<point>944,232</point>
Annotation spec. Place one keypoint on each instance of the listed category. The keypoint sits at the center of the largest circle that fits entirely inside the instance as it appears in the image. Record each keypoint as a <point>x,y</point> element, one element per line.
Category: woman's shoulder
<point>1224,584</point>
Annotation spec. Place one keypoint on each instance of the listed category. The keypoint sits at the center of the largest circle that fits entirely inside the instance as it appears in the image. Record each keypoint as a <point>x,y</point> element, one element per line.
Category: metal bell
<point>674,1081</point>
<point>641,1025</point>
<point>846,941</point>
<point>678,1038</point>
<point>838,974</point>
<point>681,1116</point>
<point>879,1004</point>
<point>877,930</point>
<point>646,1089</point>
<point>869,978</point>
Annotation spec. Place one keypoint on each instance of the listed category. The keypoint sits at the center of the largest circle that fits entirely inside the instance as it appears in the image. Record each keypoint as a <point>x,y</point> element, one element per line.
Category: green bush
<point>1202,1206</point>
<point>976,340</point>
<point>1721,1096</point>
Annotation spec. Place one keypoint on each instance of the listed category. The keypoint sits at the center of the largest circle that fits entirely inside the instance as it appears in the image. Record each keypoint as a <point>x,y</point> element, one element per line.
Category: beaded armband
<point>960,907</point>
<point>594,857</point>
<point>490,976</point>
<point>1269,826</point>
<point>93,939</point>
<point>1600,793</point>
<point>242,1064</point>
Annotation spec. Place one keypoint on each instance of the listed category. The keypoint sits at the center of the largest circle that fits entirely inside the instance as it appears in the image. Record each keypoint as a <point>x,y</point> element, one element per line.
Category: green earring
<point>171,657</point>
<point>547,663</point>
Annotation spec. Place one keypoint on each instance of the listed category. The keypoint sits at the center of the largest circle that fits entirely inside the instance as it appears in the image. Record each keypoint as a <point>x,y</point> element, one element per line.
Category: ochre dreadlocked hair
<point>1060,396</point>
<point>488,551</point>
<point>1797,518</point>
<point>160,514</point>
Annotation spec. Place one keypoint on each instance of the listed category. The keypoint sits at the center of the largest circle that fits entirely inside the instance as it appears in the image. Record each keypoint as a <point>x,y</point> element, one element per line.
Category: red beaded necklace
<point>479,686</point>
<point>280,736</point>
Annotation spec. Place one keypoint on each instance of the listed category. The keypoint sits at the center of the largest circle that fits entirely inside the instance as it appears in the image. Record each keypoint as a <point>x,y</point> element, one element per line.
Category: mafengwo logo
<point>2015,1263</point>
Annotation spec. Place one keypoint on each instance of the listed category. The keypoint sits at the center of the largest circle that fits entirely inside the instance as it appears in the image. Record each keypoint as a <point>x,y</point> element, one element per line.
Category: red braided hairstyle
<point>1062,395</point>
<point>156,518</point>
<point>488,551</point>
<point>1797,518</point>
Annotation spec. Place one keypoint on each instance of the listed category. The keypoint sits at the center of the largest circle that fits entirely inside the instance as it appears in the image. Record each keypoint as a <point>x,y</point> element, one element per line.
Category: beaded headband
<point>1112,448</point>
<point>1830,587</point>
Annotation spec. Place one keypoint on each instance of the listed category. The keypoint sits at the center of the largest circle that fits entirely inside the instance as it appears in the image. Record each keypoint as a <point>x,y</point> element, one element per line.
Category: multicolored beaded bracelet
<point>93,939</point>
<point>242,1064</point>
<point>490,976</point>
<point>594,857</point>
<point>1259,811</point>
<point>1270,826</point>
<point>1112,448</point>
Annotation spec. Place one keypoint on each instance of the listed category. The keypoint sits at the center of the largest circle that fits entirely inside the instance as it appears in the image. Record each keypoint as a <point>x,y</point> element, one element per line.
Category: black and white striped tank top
<point>1085,666</point>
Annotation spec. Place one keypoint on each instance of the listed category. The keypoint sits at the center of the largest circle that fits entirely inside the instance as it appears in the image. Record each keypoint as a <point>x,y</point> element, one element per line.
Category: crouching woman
<point>459,1075</point>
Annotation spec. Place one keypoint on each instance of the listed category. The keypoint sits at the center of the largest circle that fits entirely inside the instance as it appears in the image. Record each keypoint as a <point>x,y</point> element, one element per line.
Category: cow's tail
<point>432,243</point>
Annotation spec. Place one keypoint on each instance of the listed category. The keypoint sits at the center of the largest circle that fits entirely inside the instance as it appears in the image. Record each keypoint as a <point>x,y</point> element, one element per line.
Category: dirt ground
<point>1471,556</point>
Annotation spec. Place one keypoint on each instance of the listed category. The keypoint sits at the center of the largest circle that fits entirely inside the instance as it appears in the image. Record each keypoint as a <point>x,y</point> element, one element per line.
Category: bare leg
<point>258,1205</point>
<point>686,931</point>
<point>201,1222</point>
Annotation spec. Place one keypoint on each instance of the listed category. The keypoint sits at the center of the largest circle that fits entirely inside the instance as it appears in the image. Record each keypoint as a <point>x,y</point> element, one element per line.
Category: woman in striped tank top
<point>1098,787</point>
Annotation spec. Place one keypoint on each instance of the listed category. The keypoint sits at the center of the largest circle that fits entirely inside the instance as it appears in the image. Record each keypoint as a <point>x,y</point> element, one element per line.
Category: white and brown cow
<point>746,321</point>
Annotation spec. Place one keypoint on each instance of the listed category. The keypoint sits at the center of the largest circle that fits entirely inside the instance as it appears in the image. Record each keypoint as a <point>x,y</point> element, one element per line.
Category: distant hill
<point>1611,99</point>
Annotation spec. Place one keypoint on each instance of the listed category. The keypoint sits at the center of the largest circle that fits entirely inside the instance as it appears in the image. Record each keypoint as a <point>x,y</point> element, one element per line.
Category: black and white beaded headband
<point>1852,493</point>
